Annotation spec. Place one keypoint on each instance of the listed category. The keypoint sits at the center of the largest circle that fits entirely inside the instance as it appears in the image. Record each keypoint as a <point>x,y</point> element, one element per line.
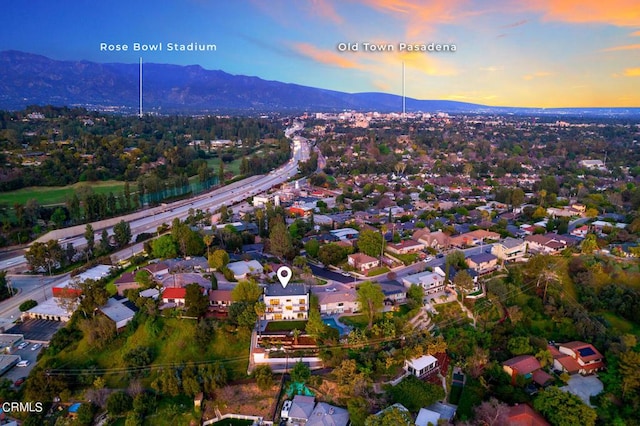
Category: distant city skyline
<point>539,53</point>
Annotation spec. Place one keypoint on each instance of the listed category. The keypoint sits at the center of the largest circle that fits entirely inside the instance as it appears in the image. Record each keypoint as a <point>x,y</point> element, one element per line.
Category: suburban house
<point>336,299</point>
<point>577,357</point>
<point>394,292</point>
<point>120,312</point>
<point>362,262</point>
<point>423,366</point>
<point>69,287</point>
<point>405,247</point>
<point>524,415</point>
<point>548,244</point>
<point>580,232</point>
<point>158,269</point>
<point>346,233</point>
<point>510,249</point>
<point>473,238</point>
<point>528,367</point>
<point>174,296</point>
<point>125,282</point>
<point>220,300</point>
<point>242,269</point>
<point>328,415</point>
<point>482,263</point>
<point>430,282</point>
<point>286,303</point>
<point>301,408</point>
<point>436,240</point>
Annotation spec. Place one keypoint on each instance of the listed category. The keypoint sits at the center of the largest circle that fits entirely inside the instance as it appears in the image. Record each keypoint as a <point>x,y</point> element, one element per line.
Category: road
<point>33,287</point>
<point>149,220</point>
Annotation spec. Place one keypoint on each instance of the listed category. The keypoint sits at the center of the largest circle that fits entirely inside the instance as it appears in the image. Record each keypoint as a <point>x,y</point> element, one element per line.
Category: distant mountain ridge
<point>30,79</point>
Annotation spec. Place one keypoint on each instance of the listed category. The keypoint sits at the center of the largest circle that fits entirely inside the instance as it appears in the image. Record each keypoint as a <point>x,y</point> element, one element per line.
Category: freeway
<point>149,220</point>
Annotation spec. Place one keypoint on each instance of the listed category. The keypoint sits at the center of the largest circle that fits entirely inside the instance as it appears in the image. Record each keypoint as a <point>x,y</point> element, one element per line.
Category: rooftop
<point>290,290</point>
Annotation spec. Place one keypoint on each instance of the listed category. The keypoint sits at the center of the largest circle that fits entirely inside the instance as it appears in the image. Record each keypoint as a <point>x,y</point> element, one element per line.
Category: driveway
<point>584,387</point>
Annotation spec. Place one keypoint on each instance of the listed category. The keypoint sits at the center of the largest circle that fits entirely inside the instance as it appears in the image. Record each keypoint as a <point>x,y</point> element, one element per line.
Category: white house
<point>362,262</point>
<point>242,269</point>
<point>336,299</point>
<point>510,249</point>
<point>430,282</point>
<point>286,303</point>
<point>422,367</point>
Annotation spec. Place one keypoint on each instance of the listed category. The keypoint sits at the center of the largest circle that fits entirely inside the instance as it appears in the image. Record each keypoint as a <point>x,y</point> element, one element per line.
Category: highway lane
<point>150,219</point>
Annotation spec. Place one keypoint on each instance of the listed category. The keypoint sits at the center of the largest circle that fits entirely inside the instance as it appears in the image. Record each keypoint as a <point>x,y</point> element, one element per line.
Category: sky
<point>530,53</point>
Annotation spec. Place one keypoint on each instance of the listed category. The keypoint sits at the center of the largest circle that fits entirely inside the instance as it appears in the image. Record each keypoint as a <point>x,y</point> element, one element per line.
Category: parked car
<point>24,363</point>
<point>36,346</point>
<point>23,345</point>
<point>19,381</point>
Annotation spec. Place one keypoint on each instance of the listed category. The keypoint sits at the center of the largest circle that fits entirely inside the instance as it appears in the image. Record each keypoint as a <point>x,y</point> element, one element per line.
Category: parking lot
<point>38,330</point>
<point>27,353</point>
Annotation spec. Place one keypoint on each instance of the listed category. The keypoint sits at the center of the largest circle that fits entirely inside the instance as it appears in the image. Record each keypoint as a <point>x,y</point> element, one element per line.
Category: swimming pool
<point>333,323</point>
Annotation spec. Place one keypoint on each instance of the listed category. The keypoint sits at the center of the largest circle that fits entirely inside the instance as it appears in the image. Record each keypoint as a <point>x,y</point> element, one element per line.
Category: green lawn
<point>48,195</point>
<point>286,325</point>
<point>172,343</point>
<point>233,166</point>
<point>622,325</point>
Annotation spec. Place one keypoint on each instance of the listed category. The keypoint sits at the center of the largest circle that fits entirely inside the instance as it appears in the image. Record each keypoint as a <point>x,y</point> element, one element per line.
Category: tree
<point>456,259</point>
<point>280,240</point>
<point>45,256</point>
<point>415,295</point>
<point>312,247</point>
<point>122,233</point>
<point>105,245</point>
<point>164,247</point>
<point>89,235</point>
<point>517,197</point>
<point>93,295</point>
<point>563,408</point>
<point>300,372</point>
<point>58,217</point>
<point>519,346</point>
<point>263,376</point>
<point>630,371</point>
<point>195,301</point>
<point>371,300</point>
<point>414,394</point>
<point>86,413</point>
<point>208,240</point>
<point>315,326</point>
<point>246,291</point>
<point>370,243</point>
<point>464,282</point>
<point>492,413</point>
<point>332,254</point>
<point>589,244</point>
<point>358,409</point>
<point>218,259</point>
<point>119,403</point>
<point>390,416</point>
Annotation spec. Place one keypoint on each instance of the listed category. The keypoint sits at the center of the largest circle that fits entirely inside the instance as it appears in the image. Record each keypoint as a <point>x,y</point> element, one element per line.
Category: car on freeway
<point>19,381</point>
<point>23,345</point>
<point>36,346</point>
<point>23,363</point>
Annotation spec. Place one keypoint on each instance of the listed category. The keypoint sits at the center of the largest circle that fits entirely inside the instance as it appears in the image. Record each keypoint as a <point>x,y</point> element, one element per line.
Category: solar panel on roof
<point>587,351</point>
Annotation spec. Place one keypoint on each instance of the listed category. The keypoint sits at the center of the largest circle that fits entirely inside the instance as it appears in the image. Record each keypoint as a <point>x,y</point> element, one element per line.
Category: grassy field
<point>233,166</point>
<point>622,325</point>
<point>172,342</point>
<point>49,195</point>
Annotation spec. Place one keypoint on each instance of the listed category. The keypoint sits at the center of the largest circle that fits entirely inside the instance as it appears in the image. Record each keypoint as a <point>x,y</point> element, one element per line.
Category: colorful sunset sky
<point>536,53</point>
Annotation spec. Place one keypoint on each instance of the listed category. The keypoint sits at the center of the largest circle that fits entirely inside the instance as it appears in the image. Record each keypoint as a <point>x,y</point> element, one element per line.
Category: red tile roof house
<point>524,415</point>
<point>577,357</point>
<point>405,247</point>
<point>528,367</point>
<point>362,262</point>
<point>174,296</point>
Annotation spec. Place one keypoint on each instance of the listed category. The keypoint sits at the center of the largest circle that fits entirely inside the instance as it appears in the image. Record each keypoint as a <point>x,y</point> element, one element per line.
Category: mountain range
<point>30,79</point>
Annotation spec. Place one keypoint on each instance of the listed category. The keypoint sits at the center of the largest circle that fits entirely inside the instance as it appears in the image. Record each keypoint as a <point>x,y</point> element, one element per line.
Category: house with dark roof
<point>286,303</point>
<point>220,300</point>
<point>301,408</point>
<point>362,262</point>
<point>328,415</point>
<point>126,281</point>
<point>482,263</point>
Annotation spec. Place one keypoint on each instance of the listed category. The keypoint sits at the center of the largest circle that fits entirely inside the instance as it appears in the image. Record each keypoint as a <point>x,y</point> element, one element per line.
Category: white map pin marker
<point>284,275</point>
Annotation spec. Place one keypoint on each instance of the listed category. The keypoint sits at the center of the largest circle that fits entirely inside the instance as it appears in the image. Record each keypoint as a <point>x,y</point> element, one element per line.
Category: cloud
<point>515,24</point>
<point>538,74</point>
<point>492,68</point>
<point>632,72</point>
<point>618,48</point>
<point>614,12</point>
<point>325,9</point>
<point>326,57</point>
<point>421,16</point>
<point>635,34</point>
